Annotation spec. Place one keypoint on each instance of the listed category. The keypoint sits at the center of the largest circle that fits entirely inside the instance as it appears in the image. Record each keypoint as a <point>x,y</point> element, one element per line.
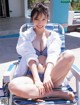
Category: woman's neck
<point>39,33</point>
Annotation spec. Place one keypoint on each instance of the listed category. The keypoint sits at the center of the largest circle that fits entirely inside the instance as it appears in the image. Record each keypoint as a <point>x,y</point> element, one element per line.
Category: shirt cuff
<point>31,58</point>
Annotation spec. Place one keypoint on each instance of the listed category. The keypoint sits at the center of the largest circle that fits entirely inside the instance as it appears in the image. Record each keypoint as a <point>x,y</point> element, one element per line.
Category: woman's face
<point>40,22</point>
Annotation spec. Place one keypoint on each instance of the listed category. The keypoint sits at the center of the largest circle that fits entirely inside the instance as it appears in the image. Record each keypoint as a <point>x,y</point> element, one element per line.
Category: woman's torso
<point>40,46</point>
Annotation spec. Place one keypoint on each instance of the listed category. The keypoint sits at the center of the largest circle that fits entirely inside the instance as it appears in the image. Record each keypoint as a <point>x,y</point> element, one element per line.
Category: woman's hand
<point>47,83</point>
<point>40,87</point>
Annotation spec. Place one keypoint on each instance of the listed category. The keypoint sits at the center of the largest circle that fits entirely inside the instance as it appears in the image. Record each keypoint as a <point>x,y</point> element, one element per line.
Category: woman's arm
<point>25,48</point>
<point>48,84</point>
<point>37,81</point>
<point>49,68</point>
<point>54,48</point>
<point>33,68</point>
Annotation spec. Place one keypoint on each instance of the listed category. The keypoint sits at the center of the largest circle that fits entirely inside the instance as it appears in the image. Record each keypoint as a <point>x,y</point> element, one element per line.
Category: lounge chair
<point>75,71</point>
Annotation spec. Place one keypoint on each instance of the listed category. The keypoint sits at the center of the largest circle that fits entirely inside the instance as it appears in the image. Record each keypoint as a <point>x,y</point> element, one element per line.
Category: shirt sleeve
<point>25,48</point>
<point>54,47</point>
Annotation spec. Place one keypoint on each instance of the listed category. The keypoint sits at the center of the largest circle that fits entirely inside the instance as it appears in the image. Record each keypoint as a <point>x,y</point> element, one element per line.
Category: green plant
<point>75,5</point>
<point>32,2</point>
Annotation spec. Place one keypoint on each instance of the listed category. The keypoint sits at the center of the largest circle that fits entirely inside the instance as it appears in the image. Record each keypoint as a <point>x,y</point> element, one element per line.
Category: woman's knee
<point>68,56</point>
<point>12,86</point>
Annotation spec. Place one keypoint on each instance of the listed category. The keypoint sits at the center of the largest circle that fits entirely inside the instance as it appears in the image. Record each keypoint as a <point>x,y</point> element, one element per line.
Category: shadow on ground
<point>72,42</point>
<point>8,50</point>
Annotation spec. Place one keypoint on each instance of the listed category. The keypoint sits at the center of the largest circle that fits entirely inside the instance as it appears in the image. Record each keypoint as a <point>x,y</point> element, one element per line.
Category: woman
<point>46,67</point>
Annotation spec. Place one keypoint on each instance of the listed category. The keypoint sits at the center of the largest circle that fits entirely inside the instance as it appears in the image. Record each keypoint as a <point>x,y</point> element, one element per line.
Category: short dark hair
<point>40,8</point>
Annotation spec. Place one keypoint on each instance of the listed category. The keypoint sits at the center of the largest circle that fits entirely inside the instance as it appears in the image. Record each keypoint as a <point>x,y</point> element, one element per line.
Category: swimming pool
<point>9,36</point>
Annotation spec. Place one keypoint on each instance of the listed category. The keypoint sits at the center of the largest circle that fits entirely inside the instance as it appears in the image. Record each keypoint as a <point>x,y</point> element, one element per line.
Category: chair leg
<point>78,91</point>
<point>10,99</point>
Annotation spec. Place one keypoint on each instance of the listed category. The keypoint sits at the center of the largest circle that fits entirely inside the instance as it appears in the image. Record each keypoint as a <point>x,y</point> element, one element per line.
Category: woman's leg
<point>61,70</point>
<point>62,67</point>
<point>25,88</point>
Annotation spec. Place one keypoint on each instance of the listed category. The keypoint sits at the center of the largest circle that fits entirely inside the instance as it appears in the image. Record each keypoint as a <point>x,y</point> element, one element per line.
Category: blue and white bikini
<point>44,53</point>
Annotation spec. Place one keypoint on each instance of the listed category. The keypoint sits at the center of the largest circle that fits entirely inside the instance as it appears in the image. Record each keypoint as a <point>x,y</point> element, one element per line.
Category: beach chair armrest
<point>8,75</point>
<point>76,73</point>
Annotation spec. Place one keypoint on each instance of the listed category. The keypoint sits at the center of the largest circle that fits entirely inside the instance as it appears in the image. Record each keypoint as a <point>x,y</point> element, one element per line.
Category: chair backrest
<point>51,26</point>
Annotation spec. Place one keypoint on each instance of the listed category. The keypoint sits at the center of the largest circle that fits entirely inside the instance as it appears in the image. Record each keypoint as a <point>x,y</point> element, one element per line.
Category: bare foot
<point>65,95</point>
<point>71,96</point>
<point>39,100</point>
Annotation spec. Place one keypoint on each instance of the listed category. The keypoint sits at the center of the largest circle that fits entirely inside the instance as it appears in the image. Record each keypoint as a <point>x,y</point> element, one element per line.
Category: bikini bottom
<point>41,75</point>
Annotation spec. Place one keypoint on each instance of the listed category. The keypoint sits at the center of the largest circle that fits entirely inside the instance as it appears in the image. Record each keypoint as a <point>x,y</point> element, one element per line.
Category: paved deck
<point>8,52</point>
<point>11,25</point>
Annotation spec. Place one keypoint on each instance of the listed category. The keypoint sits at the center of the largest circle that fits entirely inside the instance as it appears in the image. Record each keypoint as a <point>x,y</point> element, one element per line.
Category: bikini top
<point>44,52</point>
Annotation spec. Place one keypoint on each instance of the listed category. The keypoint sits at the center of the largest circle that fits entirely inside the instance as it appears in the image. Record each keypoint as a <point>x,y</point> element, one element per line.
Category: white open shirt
<point>26,50</point>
